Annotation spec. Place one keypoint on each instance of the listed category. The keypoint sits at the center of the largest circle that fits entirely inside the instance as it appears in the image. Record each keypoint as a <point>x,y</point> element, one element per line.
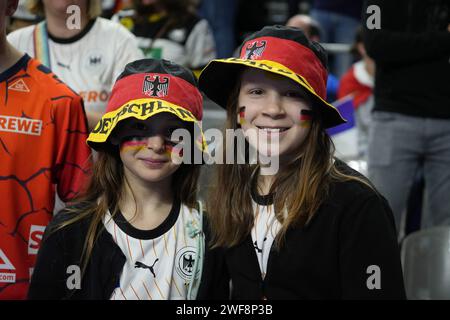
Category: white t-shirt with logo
<point>159,262</point>
<point>89,62</point>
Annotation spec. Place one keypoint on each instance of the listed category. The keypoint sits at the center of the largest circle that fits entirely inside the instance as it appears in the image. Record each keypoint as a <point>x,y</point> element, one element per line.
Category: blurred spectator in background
<point>339,20</point>
<point>221,15</point>
<point>298,6</point>
<point>309,26</point>
<point>22,17</point>
<point>171,30</point>
<point>88,57</point>
<point>358,81</point>
<point>312,30</point>
<point>410,126</point>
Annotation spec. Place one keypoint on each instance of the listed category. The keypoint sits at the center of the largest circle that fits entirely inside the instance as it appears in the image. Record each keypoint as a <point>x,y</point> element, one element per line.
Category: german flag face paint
<point>306,117</point>
<point>135,144</point>
<point>242,116</point>
<point>174,151</point>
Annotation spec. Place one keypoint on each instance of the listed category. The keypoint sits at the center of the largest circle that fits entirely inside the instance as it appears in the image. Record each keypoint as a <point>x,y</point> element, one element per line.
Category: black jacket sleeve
<point>49,279</point>
<point>215,282</point>
<point>388,45</point>
<point>369,256</point>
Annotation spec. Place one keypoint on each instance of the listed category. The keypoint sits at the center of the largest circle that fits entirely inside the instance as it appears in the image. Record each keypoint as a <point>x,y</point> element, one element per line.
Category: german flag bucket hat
<point>145,88</point>
<point>281,50</point>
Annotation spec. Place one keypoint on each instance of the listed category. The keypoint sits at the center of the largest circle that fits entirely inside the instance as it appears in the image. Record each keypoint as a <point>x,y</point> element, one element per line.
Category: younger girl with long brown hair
<point>316,229</point>
<point>137,231</point>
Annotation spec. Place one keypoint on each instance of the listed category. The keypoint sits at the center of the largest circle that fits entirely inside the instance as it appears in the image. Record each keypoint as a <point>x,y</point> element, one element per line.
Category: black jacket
<point>62,249</point>
<point>330,258</point>
<point>60,254</point>
<point>412,52</point>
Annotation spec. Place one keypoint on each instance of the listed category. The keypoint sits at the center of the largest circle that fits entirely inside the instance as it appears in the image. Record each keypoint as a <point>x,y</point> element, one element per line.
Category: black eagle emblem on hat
<point>156,86</point>
<point>253,50</point>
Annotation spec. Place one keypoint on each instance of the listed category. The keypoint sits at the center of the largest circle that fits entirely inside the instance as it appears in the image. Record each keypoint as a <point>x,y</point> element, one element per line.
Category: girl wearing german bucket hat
<point>136,233</point>
<point>315,228</point>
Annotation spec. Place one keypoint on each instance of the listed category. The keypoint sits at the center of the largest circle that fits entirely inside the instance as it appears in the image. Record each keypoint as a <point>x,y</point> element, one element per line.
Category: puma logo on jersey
<point>144,266</point>
<point>20,86</point>
<point>62,65</point>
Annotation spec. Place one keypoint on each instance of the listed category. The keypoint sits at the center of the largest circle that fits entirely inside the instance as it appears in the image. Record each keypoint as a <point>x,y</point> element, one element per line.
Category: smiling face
<point>277,109</point>
<point>146,148</point>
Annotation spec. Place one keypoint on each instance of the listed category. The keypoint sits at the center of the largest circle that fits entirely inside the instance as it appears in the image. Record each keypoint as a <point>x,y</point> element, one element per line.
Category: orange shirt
<point>43,130</point>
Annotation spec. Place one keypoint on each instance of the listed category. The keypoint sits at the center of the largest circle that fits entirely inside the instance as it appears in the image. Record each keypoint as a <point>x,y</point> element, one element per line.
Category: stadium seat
<point>426,264</point>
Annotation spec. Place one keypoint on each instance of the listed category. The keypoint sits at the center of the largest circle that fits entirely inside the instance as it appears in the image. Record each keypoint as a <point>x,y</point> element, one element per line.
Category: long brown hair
<point>301,186</point>
<point>105,192</point>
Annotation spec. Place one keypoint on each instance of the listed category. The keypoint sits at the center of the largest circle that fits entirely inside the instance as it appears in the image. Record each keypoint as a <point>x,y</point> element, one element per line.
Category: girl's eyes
<point>295,94</point>
<point>289,94</point>
<point>256,91</point>
<point>136,139</point>
<point>140,126</point>
<point>167,140</point>
<point>168,136</point>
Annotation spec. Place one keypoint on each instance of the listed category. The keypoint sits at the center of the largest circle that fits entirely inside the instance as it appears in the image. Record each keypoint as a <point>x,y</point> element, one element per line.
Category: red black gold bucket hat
<point>278,49</point>
<point>145,88</point>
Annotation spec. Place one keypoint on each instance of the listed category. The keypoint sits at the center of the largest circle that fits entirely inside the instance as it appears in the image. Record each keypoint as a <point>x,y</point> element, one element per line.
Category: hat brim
<point>219,77</point>
<point>140,109</point>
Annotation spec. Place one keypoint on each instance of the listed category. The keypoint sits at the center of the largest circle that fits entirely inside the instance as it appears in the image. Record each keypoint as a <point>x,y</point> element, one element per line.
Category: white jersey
<point>264,231</point>
<point>160,262</point>
<point>191,46</point>
<point>90,62</point>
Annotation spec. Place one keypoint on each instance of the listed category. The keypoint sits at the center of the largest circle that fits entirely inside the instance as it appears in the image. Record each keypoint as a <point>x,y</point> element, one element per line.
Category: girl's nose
<point>273,107</point>
<point>156,143</point>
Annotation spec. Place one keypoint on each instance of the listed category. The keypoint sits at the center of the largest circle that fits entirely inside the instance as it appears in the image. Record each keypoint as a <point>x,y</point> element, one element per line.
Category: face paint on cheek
<point>200,142</point>
<point>305,117</point>
<point>174,151</point>
<point>242,115</point>
<point>133,145</point>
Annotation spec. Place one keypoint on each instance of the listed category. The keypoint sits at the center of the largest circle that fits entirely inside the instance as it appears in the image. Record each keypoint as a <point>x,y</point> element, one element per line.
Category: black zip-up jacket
<point>62,249</point>
<point>53,276</point>
<point>349,242</point>
<point>412,55</point>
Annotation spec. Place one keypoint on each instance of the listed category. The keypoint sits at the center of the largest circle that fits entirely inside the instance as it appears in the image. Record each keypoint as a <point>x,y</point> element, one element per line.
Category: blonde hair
<point>94,8</point>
